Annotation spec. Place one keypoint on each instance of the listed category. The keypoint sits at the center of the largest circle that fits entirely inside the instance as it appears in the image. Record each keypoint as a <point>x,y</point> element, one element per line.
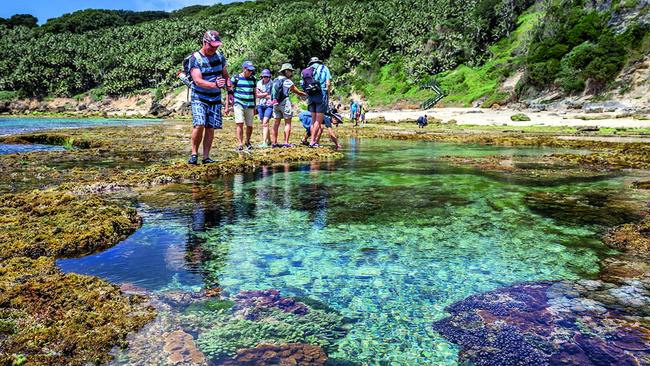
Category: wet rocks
<point>283,354</point>
<point>181,349</point>
<point>552,323</point>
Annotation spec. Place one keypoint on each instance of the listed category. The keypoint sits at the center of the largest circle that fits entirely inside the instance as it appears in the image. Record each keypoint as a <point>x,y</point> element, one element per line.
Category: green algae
<point>62,318</point>
<point>59,224</point>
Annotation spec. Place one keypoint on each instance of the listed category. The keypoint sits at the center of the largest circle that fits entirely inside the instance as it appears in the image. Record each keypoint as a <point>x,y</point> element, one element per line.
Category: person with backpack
<point>207,68</point>
<point>317,83</point>
<point>244,92</point>
<point>264,107</point>
<point>282,109</point>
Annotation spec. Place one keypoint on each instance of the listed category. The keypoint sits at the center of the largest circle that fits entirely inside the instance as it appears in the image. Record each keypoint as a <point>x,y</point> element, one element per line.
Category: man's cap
<point>314,60</point>
<point>248,66</point>
<point>286,66</point>
<point>266,72</point>
<point>212,37</point>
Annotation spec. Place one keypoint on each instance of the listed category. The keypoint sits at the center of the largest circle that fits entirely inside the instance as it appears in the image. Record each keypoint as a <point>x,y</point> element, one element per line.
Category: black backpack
<point>310,85</point>
<point>277,90</point>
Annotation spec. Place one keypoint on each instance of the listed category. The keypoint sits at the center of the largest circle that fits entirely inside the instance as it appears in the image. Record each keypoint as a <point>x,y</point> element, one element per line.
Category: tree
<point>24,20</point>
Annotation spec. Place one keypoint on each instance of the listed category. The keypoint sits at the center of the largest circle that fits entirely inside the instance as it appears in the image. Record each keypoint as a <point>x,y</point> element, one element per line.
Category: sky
<point>46,9</point>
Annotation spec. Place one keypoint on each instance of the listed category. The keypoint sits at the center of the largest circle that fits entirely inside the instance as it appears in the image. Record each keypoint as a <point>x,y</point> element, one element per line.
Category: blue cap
<point>248,65</point>
<point>266,72</point>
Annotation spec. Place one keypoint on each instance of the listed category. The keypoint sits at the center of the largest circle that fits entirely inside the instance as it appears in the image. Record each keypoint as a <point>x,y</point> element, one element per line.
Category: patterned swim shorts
<point>206,115</point>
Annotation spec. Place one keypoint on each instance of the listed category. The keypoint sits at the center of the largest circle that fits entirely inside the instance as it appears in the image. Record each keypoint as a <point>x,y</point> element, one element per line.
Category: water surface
<point>12,125</point>
<point>388,236</point>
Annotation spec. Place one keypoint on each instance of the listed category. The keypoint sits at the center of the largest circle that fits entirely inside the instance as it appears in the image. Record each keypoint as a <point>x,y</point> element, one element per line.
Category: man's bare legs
<point>287,130</point>
<point>208,136</point>
<point>316,123</point>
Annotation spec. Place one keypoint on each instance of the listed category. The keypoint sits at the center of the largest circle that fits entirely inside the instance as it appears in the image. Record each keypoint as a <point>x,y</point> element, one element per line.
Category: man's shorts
<point>244,115</point>
<point>283,109</point>
<point>206,115</point>
<point>264,111</point>
<point>317,103</point>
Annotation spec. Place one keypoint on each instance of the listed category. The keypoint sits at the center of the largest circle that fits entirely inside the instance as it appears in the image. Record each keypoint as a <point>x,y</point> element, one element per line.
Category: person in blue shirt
<point>208,70</point>
<point>423,121</point>
<point>306,120</point>
<point>318,98</point>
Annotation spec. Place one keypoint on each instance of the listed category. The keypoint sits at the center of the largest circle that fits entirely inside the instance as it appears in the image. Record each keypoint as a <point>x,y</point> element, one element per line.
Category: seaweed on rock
<point>58,224</point>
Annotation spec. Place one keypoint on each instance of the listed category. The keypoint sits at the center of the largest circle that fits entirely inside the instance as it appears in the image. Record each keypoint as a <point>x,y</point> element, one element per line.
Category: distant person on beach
<point>328,120</point>
<point>208,70</point>
<point>353,110</point>
<point>423,121</point>
<point>282,109</point>
<point>244,91</point>
<point>264,105</point>
<point>317,83</point>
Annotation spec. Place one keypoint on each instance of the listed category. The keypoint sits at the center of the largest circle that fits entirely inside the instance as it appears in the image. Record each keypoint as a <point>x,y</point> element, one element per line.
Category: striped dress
<point>244,89</point>
<point>211,67</point>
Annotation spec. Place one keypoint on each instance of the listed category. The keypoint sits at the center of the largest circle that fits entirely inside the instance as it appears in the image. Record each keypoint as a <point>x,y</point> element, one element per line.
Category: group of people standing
<point>268,98</point>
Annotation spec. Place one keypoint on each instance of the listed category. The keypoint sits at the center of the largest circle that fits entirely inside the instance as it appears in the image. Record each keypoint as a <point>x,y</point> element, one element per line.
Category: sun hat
<point>286,66</point>
<point>266,72</point>
<point>314,60</point>
<point>212,37</point>
<point>248,66</point>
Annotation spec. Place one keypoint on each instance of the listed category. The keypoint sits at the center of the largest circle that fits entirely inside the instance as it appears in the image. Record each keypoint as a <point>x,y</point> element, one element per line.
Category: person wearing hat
<point>208,70</point>
<point>282,109</point>
<point>264,105</point>
<point>244,103</point>
<point>318,81</point>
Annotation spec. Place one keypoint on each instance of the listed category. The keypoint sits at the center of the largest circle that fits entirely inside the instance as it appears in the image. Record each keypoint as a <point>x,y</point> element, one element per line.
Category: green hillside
<point>383,50</point>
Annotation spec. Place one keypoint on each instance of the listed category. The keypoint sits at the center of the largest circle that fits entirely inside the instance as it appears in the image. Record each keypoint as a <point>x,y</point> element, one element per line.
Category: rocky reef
<point>553,323</point>
<point>58,224</point>
<point>258,327</point>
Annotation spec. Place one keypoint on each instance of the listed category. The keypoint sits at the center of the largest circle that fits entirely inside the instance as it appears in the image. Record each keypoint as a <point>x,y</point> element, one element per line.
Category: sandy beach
<point>501,117</point>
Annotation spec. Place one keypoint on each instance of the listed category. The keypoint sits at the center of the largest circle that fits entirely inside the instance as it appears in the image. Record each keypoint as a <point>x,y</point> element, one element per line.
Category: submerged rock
<point>182,350</point>
<point>283,354</point>
<point>253,304</point>
<point>552,323</point>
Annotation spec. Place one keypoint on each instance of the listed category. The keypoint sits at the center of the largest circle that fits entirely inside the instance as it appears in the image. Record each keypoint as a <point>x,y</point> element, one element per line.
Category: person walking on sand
<point>282,109</point>
<point>317,82</point>
<point>264,107</point>
<point>208,70</point>
<point>244,92</point>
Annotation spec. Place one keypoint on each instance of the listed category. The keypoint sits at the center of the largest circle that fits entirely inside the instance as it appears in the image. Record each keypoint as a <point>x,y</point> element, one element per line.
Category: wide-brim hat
<point>314,60</point>
<point>286,67</point>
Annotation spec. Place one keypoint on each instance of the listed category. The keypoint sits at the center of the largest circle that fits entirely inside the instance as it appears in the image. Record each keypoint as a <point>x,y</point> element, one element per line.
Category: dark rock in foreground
<point>284,354</point>
<point>553,323</point>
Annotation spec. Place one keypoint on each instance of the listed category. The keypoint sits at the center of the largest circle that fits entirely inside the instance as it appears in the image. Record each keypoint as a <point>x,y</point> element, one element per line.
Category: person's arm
<point>199,81</point>
<point>298,91</point>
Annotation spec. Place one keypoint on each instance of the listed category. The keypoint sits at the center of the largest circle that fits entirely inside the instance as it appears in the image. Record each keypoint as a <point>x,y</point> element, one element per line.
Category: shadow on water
<point>387,236</point>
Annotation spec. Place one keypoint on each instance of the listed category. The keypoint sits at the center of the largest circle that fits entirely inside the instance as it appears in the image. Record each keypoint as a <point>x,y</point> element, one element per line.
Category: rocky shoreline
<point>135,165</point>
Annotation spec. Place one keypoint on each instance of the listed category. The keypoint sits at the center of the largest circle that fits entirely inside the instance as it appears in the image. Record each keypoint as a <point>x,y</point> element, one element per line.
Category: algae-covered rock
<point>519,117</point>
<point>62,319</point>
<point>52,223</point>
<point>605,207</point>
<point>632,238</point>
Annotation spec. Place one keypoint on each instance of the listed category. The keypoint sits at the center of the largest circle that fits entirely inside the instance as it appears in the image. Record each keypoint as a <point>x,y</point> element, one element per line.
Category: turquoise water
<point>15,148</point>
<point>12,126</point>
<point>388,236</point>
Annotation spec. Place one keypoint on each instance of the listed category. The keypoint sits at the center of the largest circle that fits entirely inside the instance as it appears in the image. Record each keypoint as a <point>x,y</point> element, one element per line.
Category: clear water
<point>14,148</point>
<point>387,236</point>
<point>12,126</point>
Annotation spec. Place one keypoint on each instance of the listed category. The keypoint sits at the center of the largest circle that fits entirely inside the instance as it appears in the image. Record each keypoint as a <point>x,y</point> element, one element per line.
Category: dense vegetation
<point>381,49</point>
<point>420,37</point>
